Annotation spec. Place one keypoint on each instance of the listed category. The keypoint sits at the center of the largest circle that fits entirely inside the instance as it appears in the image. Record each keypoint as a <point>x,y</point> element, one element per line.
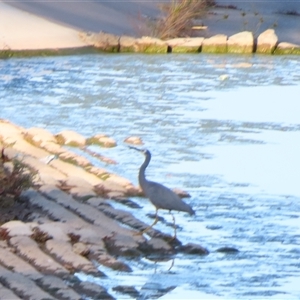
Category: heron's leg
<point>155,221</point>
<point>172,265</point>
<point>149,227</point>
<point>174,226</point>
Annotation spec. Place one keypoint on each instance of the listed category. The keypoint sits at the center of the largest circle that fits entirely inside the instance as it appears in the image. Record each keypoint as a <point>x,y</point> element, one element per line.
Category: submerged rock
<point>156,245</point>
<point>134,140</point>
<point>154,290</point>
<point>39,135</point>
<point>125,245</point>
<point>127,289</point>
<point>70,138</point>
<point>99,254</point>
<point>92,290</point>
<point>102,140</point>
<point>192,248</point>
<point>227,250</point>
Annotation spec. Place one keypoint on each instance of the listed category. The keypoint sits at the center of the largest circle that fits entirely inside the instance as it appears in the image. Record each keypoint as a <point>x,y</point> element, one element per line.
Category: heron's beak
<point>134,148</point>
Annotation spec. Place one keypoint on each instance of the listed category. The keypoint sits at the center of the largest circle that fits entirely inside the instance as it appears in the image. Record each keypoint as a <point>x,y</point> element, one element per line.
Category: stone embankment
<point>69,223</point>
<point>240,43</point>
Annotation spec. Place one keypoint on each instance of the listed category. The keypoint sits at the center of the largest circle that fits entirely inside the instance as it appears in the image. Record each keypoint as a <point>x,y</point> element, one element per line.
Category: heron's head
<point>144,151</point>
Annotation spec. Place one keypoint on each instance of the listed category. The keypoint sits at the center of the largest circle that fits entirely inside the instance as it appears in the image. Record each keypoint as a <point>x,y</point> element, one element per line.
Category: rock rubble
<point>239,43</point>
<point>69,226</point>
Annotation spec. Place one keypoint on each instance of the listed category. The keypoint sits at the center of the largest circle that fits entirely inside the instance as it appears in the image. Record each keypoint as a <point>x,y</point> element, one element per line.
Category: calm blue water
<point>224,128</point>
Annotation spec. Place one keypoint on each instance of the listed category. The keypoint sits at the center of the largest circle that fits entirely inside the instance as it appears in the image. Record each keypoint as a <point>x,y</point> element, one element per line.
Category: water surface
<point>224,128</point>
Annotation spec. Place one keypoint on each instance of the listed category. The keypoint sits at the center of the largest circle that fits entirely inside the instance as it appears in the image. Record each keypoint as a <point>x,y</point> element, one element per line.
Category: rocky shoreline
<point>32,35</point>
<point>67,224</point>
<point>240,43</point>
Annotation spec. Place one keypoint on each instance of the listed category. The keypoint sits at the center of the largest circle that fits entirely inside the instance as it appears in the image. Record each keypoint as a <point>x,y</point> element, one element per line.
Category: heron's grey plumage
<point>164,198</point>
<point>159,195</point>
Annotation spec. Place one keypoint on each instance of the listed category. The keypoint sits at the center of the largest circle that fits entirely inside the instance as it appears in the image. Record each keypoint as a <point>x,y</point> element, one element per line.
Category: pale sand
<point>20,30</point>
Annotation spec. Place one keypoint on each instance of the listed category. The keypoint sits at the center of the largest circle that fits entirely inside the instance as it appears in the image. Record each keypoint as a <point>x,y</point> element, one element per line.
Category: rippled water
<point>224,128</point>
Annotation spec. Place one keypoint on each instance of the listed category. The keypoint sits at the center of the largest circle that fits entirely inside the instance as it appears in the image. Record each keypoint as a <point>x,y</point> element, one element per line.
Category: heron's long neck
<point>142,177</point>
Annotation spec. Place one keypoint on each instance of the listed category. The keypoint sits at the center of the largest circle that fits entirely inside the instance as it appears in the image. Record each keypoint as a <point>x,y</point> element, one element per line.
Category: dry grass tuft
<point>14,178</point>
<point>178,17</point>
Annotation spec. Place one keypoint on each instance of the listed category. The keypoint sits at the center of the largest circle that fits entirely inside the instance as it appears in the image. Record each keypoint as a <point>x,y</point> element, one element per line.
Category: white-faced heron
<point>160,196</point>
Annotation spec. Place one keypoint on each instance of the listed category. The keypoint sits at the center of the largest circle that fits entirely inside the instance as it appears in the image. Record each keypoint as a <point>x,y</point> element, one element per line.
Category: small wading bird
<point>160,196</point>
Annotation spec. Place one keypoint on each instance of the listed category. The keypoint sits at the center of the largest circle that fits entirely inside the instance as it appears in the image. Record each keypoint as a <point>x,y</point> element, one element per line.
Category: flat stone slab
<point>25,147</point>
<point>106,225</point>
<point>18,228</point>
<point>30,250</point>
<point>102,140</point>
<point>63,252</point>
<point>55,210</point>
<point>22,286</point>
<point>7,294</point>
<point>95,291</point>
<point>71,170</point>
<point>55,230</point>
<point>39,136</point>
<point>58,288</point>
<point>44,170</point>
<point>9,130</point>
<point>14,263</point>
<point>74,158</point>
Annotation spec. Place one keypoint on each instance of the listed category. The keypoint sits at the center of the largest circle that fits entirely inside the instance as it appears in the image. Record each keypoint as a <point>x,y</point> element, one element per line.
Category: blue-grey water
<point>224,128</point>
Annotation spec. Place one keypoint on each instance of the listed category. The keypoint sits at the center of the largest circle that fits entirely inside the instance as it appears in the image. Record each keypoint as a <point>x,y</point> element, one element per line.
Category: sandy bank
<point>24,31</point>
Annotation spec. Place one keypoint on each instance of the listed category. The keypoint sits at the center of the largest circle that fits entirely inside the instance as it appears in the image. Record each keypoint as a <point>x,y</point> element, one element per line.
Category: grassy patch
<point>178,17</point>
<point>15,177</point>
<point>13,183</point>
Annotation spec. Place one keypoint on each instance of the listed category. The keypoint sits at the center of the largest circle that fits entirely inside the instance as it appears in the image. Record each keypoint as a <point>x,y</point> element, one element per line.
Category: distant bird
<point>160,196</point>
